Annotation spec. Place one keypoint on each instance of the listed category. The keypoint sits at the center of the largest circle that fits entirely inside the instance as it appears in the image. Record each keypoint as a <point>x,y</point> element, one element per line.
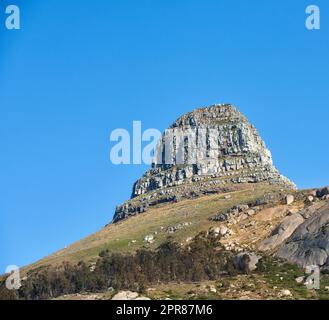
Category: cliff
<point>205,151</point>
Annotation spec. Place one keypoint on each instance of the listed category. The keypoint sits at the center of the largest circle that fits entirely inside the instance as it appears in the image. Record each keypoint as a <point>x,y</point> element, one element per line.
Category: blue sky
<point>79,69</point>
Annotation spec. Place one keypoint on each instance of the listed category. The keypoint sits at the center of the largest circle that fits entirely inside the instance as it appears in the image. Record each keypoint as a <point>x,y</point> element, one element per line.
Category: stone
<point>220,231</point>
<point>242,207</point>
<point>310,198</point>
<point>125,295</point>
<point>177,227</point>
<point>300,279</point>
<point>246,262</point>
<point>282,232</point>
<point>313,193</point>
<point>285,293</point>
<point>223,230</point>
<point>213,289</point>
<point>215,231</point>
<point>233,215</point>
<point>322,192</point>
<point>311,210</point>
<point>309,243</point>
<point>251,212</point>
<point>289,199</point>
<point>205,151</point>
<point>149,238</point>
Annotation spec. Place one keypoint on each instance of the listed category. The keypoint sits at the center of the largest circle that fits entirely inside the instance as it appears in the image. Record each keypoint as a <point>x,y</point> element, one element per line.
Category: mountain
<point>212,219</point>
<point>203,152</point>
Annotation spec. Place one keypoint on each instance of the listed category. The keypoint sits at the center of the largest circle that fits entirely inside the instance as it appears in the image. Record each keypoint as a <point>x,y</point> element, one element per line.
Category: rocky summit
<point>208,150</point>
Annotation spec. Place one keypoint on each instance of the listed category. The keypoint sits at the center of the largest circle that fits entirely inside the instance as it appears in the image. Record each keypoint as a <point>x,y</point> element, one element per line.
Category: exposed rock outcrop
<point>203,152</point>
<point>309,244</point>
<point>282,232</point>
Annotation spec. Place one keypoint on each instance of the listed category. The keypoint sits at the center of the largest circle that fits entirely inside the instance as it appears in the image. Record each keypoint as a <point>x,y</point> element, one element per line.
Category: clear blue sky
<point>79,69</point>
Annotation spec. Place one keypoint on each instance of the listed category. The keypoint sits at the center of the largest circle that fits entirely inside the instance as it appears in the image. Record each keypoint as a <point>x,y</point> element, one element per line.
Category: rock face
<point>282,232</point>
<point>309,244</point>
<point>209,148</point>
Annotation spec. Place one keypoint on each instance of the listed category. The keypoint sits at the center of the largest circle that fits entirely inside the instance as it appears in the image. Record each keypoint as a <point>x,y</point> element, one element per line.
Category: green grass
<point>283,276</point>
<point>118,237</point>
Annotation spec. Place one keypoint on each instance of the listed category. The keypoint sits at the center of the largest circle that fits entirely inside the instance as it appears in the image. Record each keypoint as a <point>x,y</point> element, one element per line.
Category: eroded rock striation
<point>205,151</point>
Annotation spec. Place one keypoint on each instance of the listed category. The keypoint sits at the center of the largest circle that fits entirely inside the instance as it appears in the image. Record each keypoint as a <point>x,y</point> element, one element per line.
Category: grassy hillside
<point>128,235</point>
<point>270,281</point>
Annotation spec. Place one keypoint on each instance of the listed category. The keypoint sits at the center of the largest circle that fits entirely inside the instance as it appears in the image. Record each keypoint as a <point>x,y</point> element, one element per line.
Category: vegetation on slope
<point>128,236</point>
<point>204,259</point>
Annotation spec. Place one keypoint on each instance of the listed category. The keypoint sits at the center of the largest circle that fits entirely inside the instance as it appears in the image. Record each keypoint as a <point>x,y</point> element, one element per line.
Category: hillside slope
<point>213,207</point>
<point>250,214</point>
<point>128,235</point>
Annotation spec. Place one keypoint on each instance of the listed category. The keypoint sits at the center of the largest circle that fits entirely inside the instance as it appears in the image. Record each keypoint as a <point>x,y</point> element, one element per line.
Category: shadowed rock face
<point>309,244</point>
<point>287,226</point>
<point>214,147</point>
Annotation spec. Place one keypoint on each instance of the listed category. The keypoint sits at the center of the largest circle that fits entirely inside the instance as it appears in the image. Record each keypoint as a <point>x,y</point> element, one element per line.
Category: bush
<point>203,259</point>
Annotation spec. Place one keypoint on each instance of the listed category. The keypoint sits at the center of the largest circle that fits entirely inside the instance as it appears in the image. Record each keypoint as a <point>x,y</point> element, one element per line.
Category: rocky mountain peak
<point>210,115</point>
<point>203,151</point>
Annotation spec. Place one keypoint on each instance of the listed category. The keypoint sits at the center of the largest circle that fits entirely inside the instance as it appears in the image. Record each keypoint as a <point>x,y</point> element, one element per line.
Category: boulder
<point>313,193</point>
<point>215,231</point>
<point>246,262</point>
<point>282,232</point>
<point>310,198</point>
<point>149,238</point>
<point>309,243</point>
<point>220,231</point>
<point>178,226</point>
<point>213,289</point>
<point>241,207</point>
<point>289,199</point>
<point>285,293</point>
<point>125,295</point>
<point>300,279</point>
<point>239,212</point>
<point>251,212</point>
<point>322,192</point>
<point>223,230</point>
